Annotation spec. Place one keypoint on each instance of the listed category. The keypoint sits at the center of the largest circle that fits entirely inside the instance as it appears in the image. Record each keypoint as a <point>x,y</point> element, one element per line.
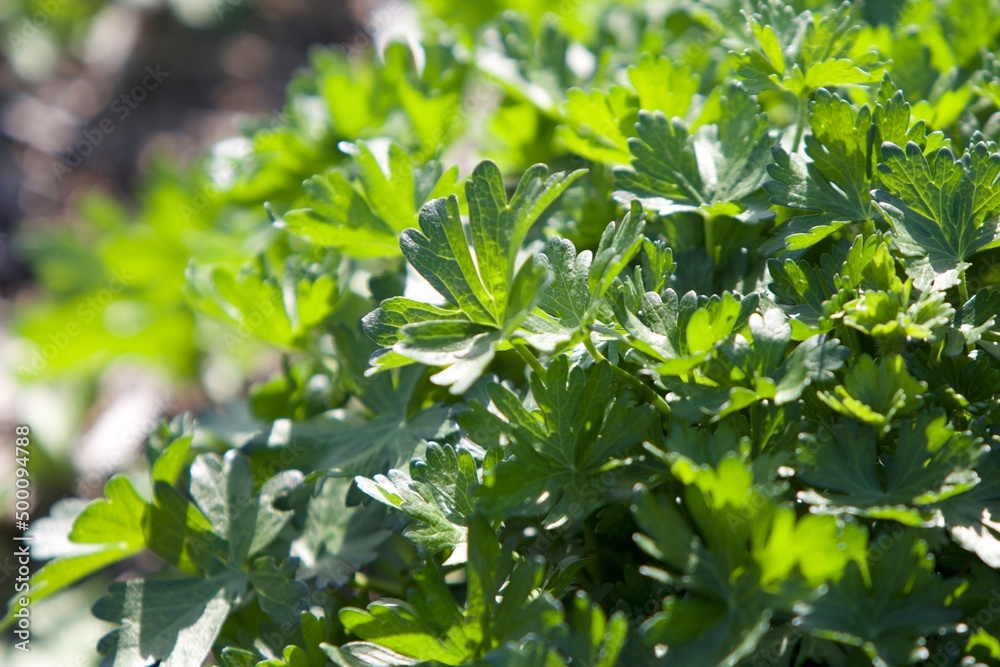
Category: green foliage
<point>565,454</point>
<point>437,495</point>
<point>942,209</point>
<point>803,52</point>
<point>713,171</point>
<point>698,365</point>
<point>487,299</point>
<point>364,219</point>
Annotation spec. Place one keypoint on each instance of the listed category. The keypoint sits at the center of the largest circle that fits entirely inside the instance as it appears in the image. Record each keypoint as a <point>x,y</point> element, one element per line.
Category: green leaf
<point>561,449</point>
<point>116,520</point>
<point>575,297</point>
<point>815,360</point>
<point>719,164</point>
<point>279,594</point>
<point>364,217</point>
<point>106,531</point>
<point>498,227</point>
<point>597,124</point>
<point>888,612</point>
<point>179,533</point>
<point>73,562</point>
<point>817,548</point>
<point>851,472</point>
<point>594,638</point>
<point>335,540</point>
<point>896,314</point>
<point>171,620</point>
<point>534,62</point>
<point>237,657</point>
<point>875,393</point>
<point>803,52</point>
<point>727,593</point>
<point>366,654</point>
<point>802,291</point>
<point>171,462</point>
<point>677,335</point>
<point>894,122</point>
<point>437,495</point>
<point>958,384</point>
<point>386,436</point>
<point>245,518</point>
<point>280,308</point>
<point>815,296</point>
<point>743,372</point>
<point>488,300</point>
<point>314,632</point>
<point>502,602</point>
<point>943,210</point>
<point>835,185</point>
<point>971,517</point>
<point>177,620</point>
<point>973,319</point>
<point>663,85</point>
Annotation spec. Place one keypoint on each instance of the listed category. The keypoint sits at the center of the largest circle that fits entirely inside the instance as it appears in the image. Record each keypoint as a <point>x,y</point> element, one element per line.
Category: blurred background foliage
<point>141,271</point>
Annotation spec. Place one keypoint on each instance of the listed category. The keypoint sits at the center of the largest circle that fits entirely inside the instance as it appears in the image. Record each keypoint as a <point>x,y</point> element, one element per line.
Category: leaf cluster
<point>699,364</point>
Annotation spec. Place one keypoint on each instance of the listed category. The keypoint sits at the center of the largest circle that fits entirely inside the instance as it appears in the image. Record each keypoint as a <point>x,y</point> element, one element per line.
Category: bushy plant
<point>664,338</point>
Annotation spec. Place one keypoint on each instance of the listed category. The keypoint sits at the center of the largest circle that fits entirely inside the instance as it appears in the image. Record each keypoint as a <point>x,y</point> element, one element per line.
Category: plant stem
<point>522,349</point>
<point>800,126</point>
<point>889,345</point>
<point>963,288</point>
<point>709,229</point>
<point>629,379</point>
